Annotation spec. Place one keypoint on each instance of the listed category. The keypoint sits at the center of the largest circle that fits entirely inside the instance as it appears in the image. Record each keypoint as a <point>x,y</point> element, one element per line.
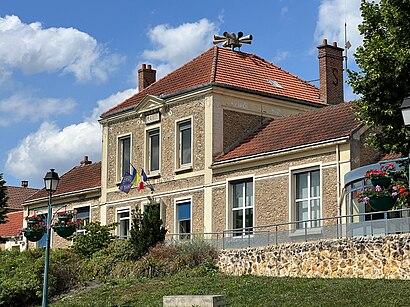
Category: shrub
<point>97,237</point>
<point>146,231</point>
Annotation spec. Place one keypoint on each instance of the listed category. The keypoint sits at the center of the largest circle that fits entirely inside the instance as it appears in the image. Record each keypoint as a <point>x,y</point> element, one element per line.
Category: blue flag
<point>126,183</point>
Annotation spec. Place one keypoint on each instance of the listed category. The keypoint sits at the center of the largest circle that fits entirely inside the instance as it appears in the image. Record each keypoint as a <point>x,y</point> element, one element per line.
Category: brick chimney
<point>85,161</point>
<point>24,183</point>
<point>146,76</point>
<point>331,72</point>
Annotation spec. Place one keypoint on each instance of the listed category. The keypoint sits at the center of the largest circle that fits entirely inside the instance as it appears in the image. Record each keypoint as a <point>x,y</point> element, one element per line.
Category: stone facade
<point>364,257</point>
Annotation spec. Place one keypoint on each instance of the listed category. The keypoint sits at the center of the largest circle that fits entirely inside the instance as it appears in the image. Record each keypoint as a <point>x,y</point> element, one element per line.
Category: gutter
<point>263,155</point>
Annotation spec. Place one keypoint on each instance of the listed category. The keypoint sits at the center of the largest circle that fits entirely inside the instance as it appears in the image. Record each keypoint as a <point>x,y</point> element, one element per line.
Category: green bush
<point>146,230</point>
<point>96,238</point>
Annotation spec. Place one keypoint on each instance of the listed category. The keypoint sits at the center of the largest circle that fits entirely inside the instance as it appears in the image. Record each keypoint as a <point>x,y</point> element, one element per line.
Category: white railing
<point>354,225</point>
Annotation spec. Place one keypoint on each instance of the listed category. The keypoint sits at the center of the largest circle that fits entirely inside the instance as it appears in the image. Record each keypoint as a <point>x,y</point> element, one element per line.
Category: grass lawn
<point>247,291</point>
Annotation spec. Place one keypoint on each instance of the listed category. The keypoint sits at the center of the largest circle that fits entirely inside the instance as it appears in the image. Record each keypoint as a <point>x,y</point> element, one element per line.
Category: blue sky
<point>62,63</point>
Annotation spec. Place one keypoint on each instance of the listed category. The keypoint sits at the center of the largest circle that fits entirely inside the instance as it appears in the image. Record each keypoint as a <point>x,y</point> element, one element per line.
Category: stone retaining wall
<point>364,257</point>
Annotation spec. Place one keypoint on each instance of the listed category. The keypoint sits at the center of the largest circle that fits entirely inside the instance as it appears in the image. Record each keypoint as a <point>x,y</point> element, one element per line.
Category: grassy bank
<point>247,291</point>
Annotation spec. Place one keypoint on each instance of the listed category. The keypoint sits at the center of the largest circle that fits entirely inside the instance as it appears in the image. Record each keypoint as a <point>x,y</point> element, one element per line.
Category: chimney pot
<point>331,73</point>
<point>146,76</point>
<point>85,161</point>
<point>24,183</point>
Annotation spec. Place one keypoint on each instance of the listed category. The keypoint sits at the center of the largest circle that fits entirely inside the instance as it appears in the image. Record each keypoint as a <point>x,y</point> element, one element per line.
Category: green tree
<point>3,202</point>
<point>146,231</point>
<point>383,79</point>
<point>96,237</point>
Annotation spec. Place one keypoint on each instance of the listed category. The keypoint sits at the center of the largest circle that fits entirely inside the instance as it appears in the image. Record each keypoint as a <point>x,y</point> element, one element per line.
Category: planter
<point>31,223</point>
<point>383,181</point>
<point>33,235</point>
<point>382,203</point>
<point>64,218</point>
<point>64,231</point>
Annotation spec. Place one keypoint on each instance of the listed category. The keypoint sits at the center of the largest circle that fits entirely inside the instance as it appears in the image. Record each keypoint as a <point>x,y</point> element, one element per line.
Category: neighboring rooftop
<point>15,221</point>
<point>83,177</point>
<point>306,128</point>
<point>226,68</point>
<point>17,195</point>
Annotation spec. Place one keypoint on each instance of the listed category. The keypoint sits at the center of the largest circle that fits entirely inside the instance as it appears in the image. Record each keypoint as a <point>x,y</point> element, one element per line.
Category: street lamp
<point>50,182</point>
<point>405,112</point>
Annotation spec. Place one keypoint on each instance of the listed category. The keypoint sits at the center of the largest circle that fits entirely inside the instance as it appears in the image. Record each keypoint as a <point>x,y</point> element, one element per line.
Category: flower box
<point>33,235</point>
<point>381,203</point>
<point>64,231</point>
<point>65,218</point>
<point>382,181</point>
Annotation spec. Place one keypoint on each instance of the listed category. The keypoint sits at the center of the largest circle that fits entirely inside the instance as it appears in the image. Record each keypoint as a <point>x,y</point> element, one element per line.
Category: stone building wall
<point>363,257</point>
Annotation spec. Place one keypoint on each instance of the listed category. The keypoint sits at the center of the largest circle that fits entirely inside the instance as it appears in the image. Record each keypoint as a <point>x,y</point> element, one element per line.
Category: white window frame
<point>293,200</point>
<point>230,198</point>
<point>179,166</point>
<point>83,231</point>
<point>147,145</point>
<point>120,166</point>
<point>117,212</point>
<point>178,201</point>
<point>146,203</point>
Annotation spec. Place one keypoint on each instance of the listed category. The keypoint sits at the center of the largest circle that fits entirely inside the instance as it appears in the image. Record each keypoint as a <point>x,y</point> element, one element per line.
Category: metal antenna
<point>231,40</point>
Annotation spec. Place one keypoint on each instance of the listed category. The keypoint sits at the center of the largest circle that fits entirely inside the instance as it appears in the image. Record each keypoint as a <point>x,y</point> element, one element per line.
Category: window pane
<point>238,195</point>
<point>315,184</point>
<point>186,145</point>
<point>154,150</point>
<point>302,210</point>
<point>237,219</point>
<point>249,217</point>
<point>125,158</point>
<point>184,211</point>
<point>315,212</point>
<point>124,228</point>
<point>249,194</point>
<point>185,227</point>
<point>301,185</point>
<point>43,241</point>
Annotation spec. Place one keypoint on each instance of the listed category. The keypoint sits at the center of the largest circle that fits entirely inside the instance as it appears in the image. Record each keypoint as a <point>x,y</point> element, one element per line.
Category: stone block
<point>194,300</point>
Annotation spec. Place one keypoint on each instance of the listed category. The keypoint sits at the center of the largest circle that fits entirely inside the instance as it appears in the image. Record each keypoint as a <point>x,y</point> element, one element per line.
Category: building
<point>10,230</point>
<point>230,140</point>
<point>79,189</point>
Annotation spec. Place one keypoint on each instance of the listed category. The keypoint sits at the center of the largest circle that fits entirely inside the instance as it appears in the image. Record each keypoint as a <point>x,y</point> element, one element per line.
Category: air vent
<point>275,83</point>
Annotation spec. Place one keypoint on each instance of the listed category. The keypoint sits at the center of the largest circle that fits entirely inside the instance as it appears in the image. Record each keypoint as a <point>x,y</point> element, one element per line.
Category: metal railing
<point>345,226</point>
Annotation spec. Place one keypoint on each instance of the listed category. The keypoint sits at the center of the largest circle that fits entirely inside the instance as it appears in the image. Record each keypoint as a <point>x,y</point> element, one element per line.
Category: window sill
<point>154,175</point>
<point>184,169</point>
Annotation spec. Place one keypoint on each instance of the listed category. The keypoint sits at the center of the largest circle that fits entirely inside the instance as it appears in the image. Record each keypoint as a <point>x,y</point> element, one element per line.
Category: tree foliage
<point>97,237</point>
<point>383,79</point>
<point>146,230</point>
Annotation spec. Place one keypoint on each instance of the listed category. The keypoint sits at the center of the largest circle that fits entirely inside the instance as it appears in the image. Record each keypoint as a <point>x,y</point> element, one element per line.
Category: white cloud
<point>331,22</point>
<point>104,105</point>
<point>50,147</point>
<point>32,49</point>
<point>18,107</point>
<point>175,46</point>
<point>280,56</point>
<point>62,149</point>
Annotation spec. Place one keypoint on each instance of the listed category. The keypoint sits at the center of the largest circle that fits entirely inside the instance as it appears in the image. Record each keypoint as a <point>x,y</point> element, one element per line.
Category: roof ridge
<point>214,64</point>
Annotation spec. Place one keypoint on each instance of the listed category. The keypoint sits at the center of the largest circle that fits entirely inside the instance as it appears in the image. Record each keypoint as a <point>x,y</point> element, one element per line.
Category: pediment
<point>150,103</point>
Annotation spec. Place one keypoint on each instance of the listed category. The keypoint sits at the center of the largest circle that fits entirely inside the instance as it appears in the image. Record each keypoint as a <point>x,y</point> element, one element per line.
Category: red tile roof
<point>15,221</point>
<point>78,178</point>
<point>323,124</point>
<point>223,67</point>
<point>17,195</point>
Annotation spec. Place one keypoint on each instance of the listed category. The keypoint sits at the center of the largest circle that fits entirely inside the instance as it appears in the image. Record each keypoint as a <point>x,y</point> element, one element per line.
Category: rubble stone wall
<point>364,257</point>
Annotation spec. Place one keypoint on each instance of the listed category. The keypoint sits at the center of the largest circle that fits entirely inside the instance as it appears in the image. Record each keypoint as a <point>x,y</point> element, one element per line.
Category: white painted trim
<point>119,210</point>
<point>118,175</point>
<point>176,202</point>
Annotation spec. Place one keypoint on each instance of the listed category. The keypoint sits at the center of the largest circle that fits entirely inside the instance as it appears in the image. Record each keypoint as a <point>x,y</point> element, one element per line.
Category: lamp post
<point>405,112</point>
<point>50,182</point>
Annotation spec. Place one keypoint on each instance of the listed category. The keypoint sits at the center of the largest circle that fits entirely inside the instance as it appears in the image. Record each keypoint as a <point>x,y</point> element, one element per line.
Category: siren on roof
<point>231,40</point>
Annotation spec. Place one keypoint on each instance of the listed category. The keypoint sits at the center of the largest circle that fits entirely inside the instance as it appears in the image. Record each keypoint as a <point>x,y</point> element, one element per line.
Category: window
<point>153,150</point>
<point>123,218</point>
<point>83,214</point>
<point>184,143</point>
<point>43,241</point>
<point>307,198</point>
<point>242,206</point>
<point>184,218</point>
<point>124,155</point>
